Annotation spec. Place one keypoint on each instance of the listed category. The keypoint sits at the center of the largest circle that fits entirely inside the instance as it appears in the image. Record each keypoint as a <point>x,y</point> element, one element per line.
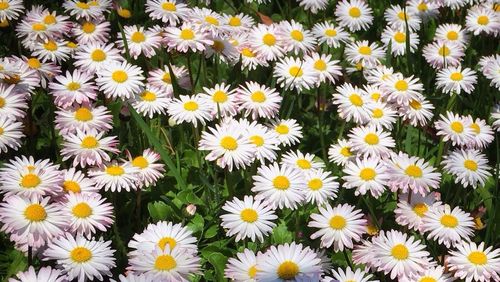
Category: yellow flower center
<point>190,106</point>
<point>475,127</point>
<point>49,19</point>
<point>72,86</point>
<point>4,23</point>
<point>167,6</point>
<point>211,20</point>
<point>88,27</point>
<point>30,180</point>
<point>12,79</point>
<point>377,113</point>
<point>365,50</point>
<point>257,140</point>
<point>83,114</point>
<point>252,272</point>
<point>115,170</point>
<point>166,78</point>
<point>71,186</point>
<point>367,174</point>
<point>140,162</point>
<point>81,254</point>
<point>50,45</point>
<point>124,13</point>
<point>400,37</point>
<point>90,142</point>
<point>138,37</point>
<point>297,35</point>
<point>167,240</point>
<point>1,131</point>
<point>457,127</point>
<point>296,71</point>
<point>187,34</point>
<point>427,279</point>
<point>330,32</point>
<point>477,258</point>
<point>415,104</point>
<point>249,215</point>
<point>234,21</point>
<point>83,5</point>
<point>315,184</point>
<point>354,12</point>
<point>258,96</point>
<point>320,65</point>
<point>288,270</point>
<point>303,164</point>
<point>422,7</point>
<point>456,76</point>
<point>444,51</point>
<point>470,165</point>
<point>452,35</point>
<point>413,171</point>
<point>229,143</point>
<point>356,100</point>
<point>337,222</point>
<point>148,96</point>
<point>4,5</point>
<point>483,20</point>
<point>82,210</point>
<point>34,63</point>
<point>247,52</point>
<point>282,129</point>
<point>449,220</point>
<point>269,39</point>
<point>218,46</point>
<point>400,252</point>
<point>219,96</point>
<point>403,16</point>
<point>38,27</point>
<point>371,139</point>
<point>420,209</point>
<point>165,263</point>
<point>401,85</point>
<point>119,76</point>
<point>346,152</point>
<point>281,182</point>
<point>35,212</point>
<point>98,55</point>
<point>2,102</point>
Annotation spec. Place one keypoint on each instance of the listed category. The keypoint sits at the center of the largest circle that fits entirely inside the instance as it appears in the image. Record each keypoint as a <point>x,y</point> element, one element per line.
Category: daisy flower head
<point>364,52</point>
<point>294,73</point>
<point>456,80</point>
<point>87,213</point>
<point>150,171</point>
<point>446,226</point>
<point>75,181</point>
<point>162,78</point>
<point>264,40</point>
<point>81,258</point>
<point>10,9</point>
<point>371,141</point>
<point>248,218</point>
<point>238,23</point>
<point>474,262</point>
<point>352,103</point>
<point>454,128</point>
<point>432,273</point>
<point>168,11</point>
<point>37,220</point>
<point>139,41</point>
<point>402,90</point>
<point>120,80</point>
<point>289,131</point>
<point>76,87</point>
<point>333,36</point>
<point>250,59</point>
<point>152,100</point>
<point>295,38</point>
<point>321,186</point>
<point>289,262</point>
<point>469,167</point>
<point>349,275</point>
<point>94,57</point>
<point>453,4</point>
<point>224,49</point>
<point>378,75</point>
<point>424,9</point>
<point>192,109</point>
<point>13,102</point>
<point>323,67</point>
<point>282,186</point>
<point>400,18</point>
<point>418,112</point>
<point>481,19</point>
<point>11,133</point>
<point>242,267</point>
<point>24,77</point>
<point>186,38</point>
<point>88,148</point>
<point>411,208</point>
<point>396,38</point>
<point>452,33</point>
<point>355,15</point>
<point>341,153</point>
<point>265,140</point>
<point>83,118</point>
<point>44,274</point>
<point>82,10</point>
<point>338,226</point>
<point>301,161</point>
<point>258,100</point>
<point>440,54</point>
<point>222,99</point>
<point>228,145</point>
<point>366,175</point>
<point>116,176</point>
<point>207,21</point>
<point>382,115</point>
<point>51,50</point>
<point>166,264</point>
<point>409,173</point>
<point>92,31</point>
<point>483,134</point>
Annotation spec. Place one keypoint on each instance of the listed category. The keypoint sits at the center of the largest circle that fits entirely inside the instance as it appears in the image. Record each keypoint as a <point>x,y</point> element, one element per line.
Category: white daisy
<point>469,167</point>
<point>152,100</point>
<point>242,267</point>
<point>120,80</point>
<point>304,162</point>
<point>474,262</point>
<point>44,274</point>
<point>258,100</point>
<point>88,148</point>
<point>370,141</point>
<point>288,130</point>
<point>454,128</point>
<point>83,118</point>
<point>482,19</point>
<point>150,171</point>
<point>456,80</point>
<point>295,38</point>
<point>116,176</point>
<point>93,57</point>
<point>355,15</point>
<point>192,109</point>
<point>264,40</point>
<point>222,100</point>
<point>366,175</point>
<point>321,186</point>
<point>352,103</point>
<point>168,11</point>
<point>413,207</point>
<point>328,33</point>
<point>11,133</point>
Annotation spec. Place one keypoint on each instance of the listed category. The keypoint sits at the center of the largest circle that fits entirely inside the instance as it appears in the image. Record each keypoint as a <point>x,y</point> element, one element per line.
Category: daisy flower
<point>352,103</point>
<point>418,112</point>
<point>289,262</point>
<point>228,145</point>
<point>76,181</point>
<point>222,100</point>
<point>433,273</point>
<point>413,207</point>
<point>94,57</point>
<point>292,73</point>
<point>321,186</point>
<point>483,134</point>
<point>295,38</point>
<point>242,267</point>
<point>370,141</point>
<point>482,19</point>
<point>139,41</point>
<point>162,78</point>
<point>82,9</point>
<point>339,226</point>
<point>447,226</point>
<point>453,4</point>
<point>366,175</point>
<point>81,258</point>
<point>161,235</point>
<point>378,75</point>
<point>424,9</point>
<point>116,176</point>
<point>207,21</point>
<point>288,130</point>
<point>282,186</point>
<point>44,274</point>
<point>239,23</point>
<point>150,171</point>
<point>10,9</point>
<point>313,5</point>
<point>454,128</point>
<point>264,40</point>
<point>166,264</point>
<point>382,116</point>
<point>168,11</point>
<point>396,38</point>
<point>92,32</point>
<point>469,167</point>
<point>52,50</point>
<point>83,118</point>
<point>402,90</point>
<point>412,173</point>
<point>249,218</point>
<point>249,58</point>
<point>37,220</point>
<point>11,133</point>
<point>441,54</point>
<point>46,70</point>
<point>341,152</point>
<point>186,38</point>
<point>265,140</point>
<point>120,80</point>
<point>400,18</point>
<point>192,109</point>
<point>88,148</point>
<point>474,262</point>
<point>456,80</point>
<point>323,67</point>
<point>364,52</point>
<point>298,160</point>
<point>355,15</point>
<point>73,87</point>
<point>12,102</point>
<point>152,100</point>
<point>331,35</point>
<point>258,100</point>
<point>452,33</point>
<point>349,275</point>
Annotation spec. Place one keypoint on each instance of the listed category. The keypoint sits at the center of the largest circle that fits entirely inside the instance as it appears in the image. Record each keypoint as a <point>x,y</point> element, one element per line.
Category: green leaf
<point>281,234</point>
<point>211,231</point>
<point>197,223</point>
<point>219,261</point>
<point>159,210</point>
<point>18,263</point>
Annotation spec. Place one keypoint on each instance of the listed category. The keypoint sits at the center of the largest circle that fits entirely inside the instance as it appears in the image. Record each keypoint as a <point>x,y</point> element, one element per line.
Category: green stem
<point>372,212</point>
